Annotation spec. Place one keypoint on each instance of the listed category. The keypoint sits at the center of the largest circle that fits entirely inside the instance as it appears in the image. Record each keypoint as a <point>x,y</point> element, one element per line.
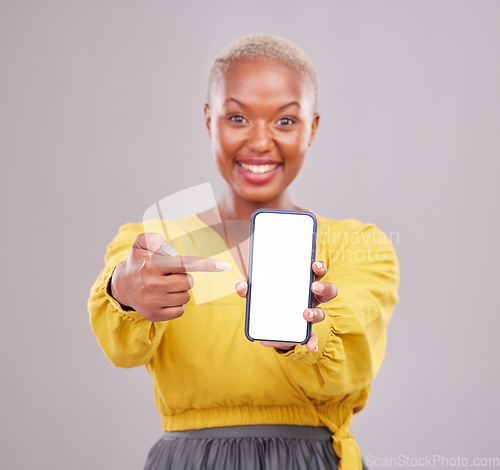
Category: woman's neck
<point>232,207</point>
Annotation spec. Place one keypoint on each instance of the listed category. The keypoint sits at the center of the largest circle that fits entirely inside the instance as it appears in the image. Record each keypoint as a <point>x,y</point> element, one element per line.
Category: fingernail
<point>318,287</point>
<point>169,249</point>
<point>235,285</point>
<point>222,265</point>
<point>316,348</point>
<point>320,265</point>
<point>312,314</point>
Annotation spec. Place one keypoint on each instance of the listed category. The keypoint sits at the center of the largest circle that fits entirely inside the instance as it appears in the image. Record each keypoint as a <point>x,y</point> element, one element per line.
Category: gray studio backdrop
<point>101,116</point>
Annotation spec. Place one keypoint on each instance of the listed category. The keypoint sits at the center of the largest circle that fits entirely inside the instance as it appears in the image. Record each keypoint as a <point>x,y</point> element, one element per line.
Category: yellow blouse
<point>207,374</point>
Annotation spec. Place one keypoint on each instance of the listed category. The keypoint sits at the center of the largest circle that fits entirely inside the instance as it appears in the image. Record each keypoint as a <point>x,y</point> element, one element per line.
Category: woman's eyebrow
<point>234,100</point>
<point>289,104</point>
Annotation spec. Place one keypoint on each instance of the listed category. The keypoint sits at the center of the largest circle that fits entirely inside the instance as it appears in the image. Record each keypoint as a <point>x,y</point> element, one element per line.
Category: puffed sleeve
<point>125,336</point>
<point>363,265</point>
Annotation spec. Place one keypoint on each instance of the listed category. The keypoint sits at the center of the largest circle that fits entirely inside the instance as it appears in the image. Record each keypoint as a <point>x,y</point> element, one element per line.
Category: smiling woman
<point>227,403</point>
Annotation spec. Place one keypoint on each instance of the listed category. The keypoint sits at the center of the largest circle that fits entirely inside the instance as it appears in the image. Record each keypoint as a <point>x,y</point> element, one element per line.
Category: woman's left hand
<point>323,292</point>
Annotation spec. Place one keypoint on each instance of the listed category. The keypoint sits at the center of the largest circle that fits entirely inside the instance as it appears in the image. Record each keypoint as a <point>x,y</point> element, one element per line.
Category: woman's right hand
<point>155,283</point>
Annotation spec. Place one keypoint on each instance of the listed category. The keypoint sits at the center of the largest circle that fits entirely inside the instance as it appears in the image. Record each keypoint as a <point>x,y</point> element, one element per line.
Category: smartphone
<point>281,252</point>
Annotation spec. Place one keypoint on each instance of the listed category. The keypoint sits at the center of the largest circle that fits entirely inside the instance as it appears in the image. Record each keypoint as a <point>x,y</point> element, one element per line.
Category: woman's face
<point>261,120</point>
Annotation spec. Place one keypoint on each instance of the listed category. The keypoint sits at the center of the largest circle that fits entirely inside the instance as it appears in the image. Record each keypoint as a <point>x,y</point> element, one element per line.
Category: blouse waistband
<point>255,431</point>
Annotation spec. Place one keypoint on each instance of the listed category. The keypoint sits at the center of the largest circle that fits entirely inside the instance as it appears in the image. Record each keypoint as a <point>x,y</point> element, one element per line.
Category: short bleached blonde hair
<point>263,45</point>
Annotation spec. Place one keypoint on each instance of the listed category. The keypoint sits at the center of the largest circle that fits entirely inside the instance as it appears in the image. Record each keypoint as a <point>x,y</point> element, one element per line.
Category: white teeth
<point>258,168</point>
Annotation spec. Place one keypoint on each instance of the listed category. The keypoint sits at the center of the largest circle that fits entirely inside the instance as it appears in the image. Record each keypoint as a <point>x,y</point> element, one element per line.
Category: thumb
<point>154,243</point>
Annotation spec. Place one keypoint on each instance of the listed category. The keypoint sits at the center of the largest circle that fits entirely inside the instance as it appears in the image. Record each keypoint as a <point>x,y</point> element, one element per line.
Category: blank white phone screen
<point>280,276</point>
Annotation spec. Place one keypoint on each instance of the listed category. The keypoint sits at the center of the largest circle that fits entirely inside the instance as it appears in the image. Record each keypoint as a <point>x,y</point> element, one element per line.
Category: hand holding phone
<point>323,292</point>
<point>282,250</point>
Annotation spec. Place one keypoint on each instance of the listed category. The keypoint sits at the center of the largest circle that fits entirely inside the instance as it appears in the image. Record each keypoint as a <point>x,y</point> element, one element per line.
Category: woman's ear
<point>208,121</point>
<point>314,127</point>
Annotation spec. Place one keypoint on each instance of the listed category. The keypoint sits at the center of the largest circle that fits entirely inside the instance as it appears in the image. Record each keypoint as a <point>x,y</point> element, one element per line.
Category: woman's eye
<point>237,118</point>
<point>285,121</point>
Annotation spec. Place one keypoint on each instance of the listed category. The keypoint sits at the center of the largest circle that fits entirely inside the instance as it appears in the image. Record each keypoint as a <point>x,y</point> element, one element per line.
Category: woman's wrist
<point>112,288</point>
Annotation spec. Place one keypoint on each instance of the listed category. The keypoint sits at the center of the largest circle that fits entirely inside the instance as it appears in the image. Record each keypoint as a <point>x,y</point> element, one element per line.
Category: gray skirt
<point>258,447</point>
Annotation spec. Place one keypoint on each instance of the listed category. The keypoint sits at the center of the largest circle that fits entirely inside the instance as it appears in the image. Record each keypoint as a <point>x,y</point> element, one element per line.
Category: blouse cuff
<point>329,343</point>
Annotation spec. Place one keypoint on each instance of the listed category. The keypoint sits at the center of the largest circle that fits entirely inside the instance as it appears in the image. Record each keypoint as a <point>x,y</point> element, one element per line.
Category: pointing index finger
<point>195,263</point>
<point>179,264</point>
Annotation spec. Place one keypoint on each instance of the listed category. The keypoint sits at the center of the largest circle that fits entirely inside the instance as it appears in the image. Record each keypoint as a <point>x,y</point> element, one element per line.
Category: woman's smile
<point>259,168</point>
<point>257,172</point>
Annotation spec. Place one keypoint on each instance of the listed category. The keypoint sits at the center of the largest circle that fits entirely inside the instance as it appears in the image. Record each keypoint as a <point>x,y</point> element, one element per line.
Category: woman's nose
<point>260,138</point>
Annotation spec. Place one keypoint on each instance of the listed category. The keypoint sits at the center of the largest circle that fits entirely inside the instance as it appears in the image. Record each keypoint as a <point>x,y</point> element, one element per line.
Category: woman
<point>226,402</point>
